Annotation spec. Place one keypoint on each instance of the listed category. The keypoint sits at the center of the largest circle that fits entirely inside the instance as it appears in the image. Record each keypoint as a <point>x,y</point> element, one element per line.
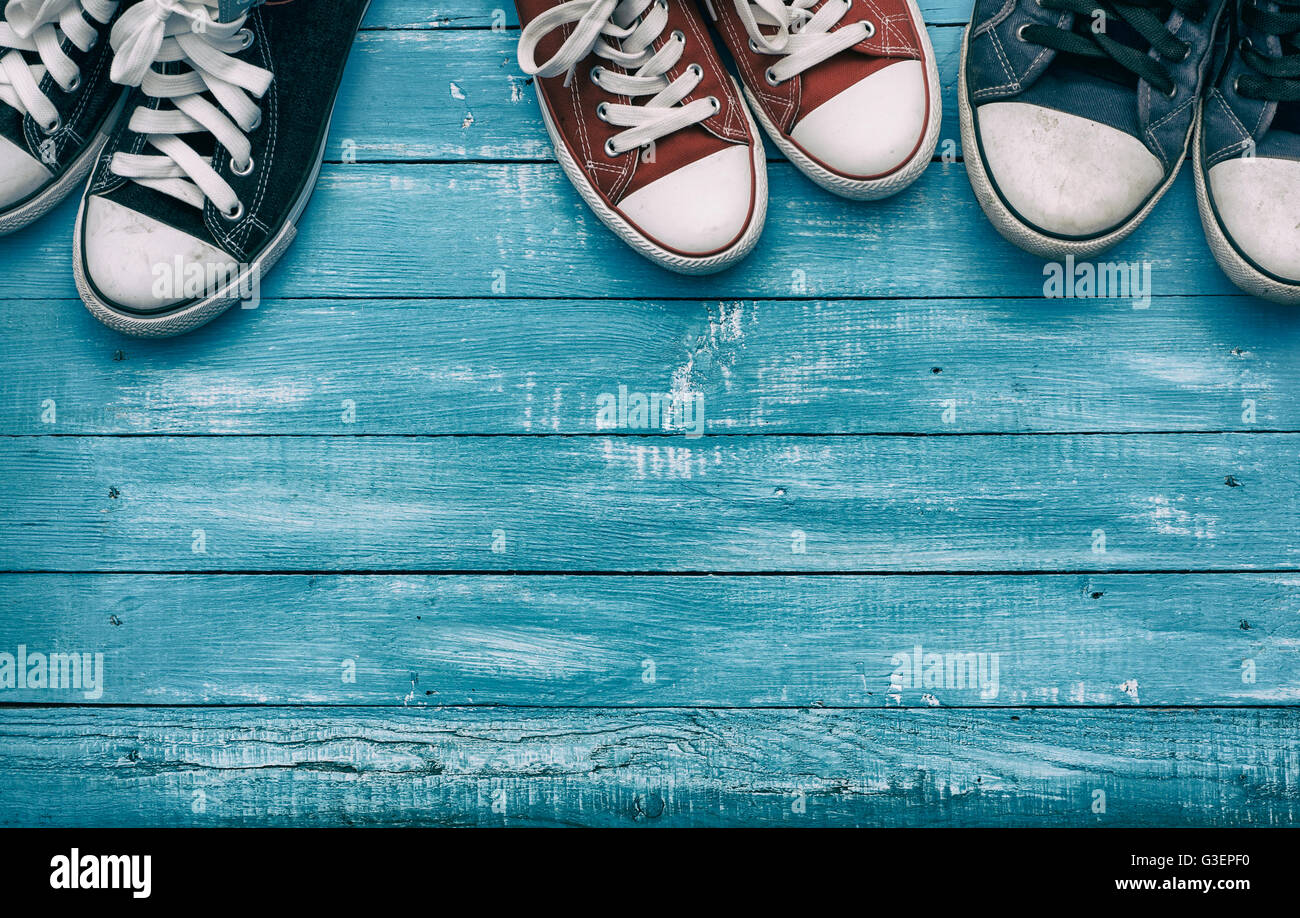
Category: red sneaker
<point>848,89</point>
<point>649,126</point>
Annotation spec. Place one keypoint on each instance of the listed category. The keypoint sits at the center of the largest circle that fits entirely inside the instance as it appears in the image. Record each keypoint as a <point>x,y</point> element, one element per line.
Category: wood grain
<point>450,282</point>
<point>308,766</point>
<point>1186,502</point>
<point>540,366</point>
<point>670,641</point>
<point>399,230</point>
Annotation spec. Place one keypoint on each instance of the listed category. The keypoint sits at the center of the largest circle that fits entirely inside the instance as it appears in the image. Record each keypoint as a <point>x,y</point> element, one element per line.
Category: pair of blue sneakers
<point>1077,114</point>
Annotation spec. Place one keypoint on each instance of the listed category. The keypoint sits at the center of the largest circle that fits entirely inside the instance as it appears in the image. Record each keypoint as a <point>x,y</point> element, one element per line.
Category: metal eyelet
<point>1245,45</point>
<point>679,35</point>
<point>235,168</point>
<point>871,27</point>
<point>236,215</point>
<point>257,122</point>
<point>1236,85</point>
<point>771,79</point>
<point>662,4</point>
<point>1020,32</point>
<point>1173,91</point>
<point>609,148</point>
<point>94,40</point>
<point>245,39</point>
<point>74,85</point>
<point>53,126</point>
<point>717,106</point>
<point>753,46</point>
<point>1187,52</point>
<point>602,110</point>
<point>595,75</point>
<point>695,70</point>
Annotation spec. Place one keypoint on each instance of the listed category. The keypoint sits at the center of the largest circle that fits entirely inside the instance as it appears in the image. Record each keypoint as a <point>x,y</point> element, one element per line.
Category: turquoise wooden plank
<point>991,503</point>
<point>527,366</point>
<point>667,641</point>
<point>320,766</point>
<point>520,230</point>
<point>474,103</point>
<point>482,14</point>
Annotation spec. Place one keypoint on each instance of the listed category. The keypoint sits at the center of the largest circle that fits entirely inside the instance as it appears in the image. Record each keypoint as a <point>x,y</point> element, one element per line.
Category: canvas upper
<point>217,147</point>
<point>648,125</point>
<point>1081,112</point>
<point>1250,141</point>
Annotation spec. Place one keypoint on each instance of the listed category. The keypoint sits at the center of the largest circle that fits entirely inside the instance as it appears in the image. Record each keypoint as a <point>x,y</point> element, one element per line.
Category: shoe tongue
<point>230,10</point>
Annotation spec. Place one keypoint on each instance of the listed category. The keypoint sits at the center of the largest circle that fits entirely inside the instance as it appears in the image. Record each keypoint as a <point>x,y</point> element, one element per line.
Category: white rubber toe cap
<point>871,128</point>
<point>1258,201</point>
<point>701,208</point>
<point>20,173</point>
<point>1063,174</point>
<point>142,264</point>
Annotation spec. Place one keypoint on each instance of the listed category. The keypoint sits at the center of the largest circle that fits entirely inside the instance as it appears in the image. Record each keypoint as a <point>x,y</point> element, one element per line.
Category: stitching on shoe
<point>1016,79</point>
<point>1235,122</point>
<point>111,181</point>
<point>268,157</point>
<point>1014,83</point>
<point>610,173</point>
<point>888,24</point>
<point>729,127</point>
<point>777,104</point>
<point>1151,128</point>
<point>241,230</point>
<point>996,19</point>
<point>80,107</point>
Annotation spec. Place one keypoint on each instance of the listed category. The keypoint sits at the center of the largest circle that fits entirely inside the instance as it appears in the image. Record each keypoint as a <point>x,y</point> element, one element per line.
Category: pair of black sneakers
<point>201,125</point>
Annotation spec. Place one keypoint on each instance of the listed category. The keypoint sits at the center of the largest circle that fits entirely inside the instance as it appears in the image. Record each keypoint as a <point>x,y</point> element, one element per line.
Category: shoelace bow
<point>33,33</point>
<point>803,38</point>
<point>182,31</point>
<point>1276,77</point>
<point>1145,17</point>
<point>622,32</point>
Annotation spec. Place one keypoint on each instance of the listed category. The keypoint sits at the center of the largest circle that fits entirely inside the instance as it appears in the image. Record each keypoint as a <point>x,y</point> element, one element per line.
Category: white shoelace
<point>802,38</point>
<point>41,26</point>
<point>169,31</point>
<point>610,29</point>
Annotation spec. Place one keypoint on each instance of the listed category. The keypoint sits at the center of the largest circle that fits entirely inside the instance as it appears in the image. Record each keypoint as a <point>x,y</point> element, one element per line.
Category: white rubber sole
<point>896,181</point>
<point>1240,271</point>
<point>199,312</point>
<point>1011,227</point>
<point>673,261</point>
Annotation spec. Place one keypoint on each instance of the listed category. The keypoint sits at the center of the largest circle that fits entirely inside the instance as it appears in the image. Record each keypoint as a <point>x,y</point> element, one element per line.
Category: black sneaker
<point>56,101</point>
<point>214,159</point>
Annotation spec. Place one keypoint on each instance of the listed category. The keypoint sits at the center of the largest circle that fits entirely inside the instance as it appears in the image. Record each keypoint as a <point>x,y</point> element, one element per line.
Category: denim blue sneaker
<point>1076,114</point>
<point>1247,156</point>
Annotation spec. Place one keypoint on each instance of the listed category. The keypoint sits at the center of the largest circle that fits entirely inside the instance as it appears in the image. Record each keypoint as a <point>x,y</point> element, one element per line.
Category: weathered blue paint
<point>431,640</point>
<point>420,391</point>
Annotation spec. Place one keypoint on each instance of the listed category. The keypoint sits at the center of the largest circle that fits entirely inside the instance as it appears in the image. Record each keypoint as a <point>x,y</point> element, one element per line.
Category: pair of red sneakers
<point>661,142</point>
